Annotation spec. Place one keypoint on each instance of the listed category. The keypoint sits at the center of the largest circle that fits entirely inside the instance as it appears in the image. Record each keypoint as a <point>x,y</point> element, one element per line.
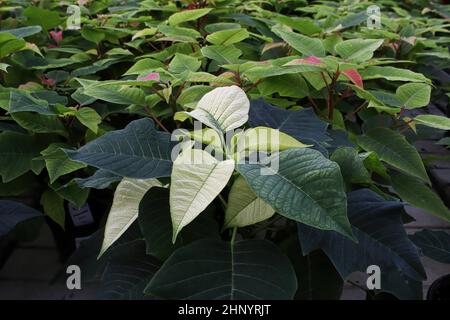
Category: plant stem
<point>151,114</point>
<point>359,108</point>
<point>316,107</point>
<point>222,200</point>
<point>328,96</point>
<point>158,94</point>
<point>254,85</point>
<point>233,236</point>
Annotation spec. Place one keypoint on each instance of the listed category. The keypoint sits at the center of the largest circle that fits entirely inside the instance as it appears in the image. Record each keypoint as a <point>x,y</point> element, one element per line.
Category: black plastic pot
<point>440,289</point>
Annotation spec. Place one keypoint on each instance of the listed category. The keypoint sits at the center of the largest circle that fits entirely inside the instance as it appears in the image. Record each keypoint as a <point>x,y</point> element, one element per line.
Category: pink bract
<point>354,77</point>
<point>154,76</point>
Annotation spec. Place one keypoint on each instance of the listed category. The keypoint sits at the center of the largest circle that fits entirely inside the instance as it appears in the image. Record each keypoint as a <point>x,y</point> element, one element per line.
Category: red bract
<point>56,36</point>
<point>354,77</point>
<point>154,76</point>
<point>309,60</point>
<point>313,59</point>
<point>48,81</point>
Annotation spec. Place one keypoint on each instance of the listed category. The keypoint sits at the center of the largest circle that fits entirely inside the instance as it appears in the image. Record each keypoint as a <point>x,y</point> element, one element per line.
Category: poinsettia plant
<point>248,150</point>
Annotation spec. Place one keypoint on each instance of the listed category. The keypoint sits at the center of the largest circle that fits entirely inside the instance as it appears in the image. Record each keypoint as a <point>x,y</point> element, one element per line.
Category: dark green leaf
<point>392,147</point>
<point>138,151</point>
<point>383,241</point>
<point>127,272</point>
<point>434,244</point>
<point>213,269</point>
<point>12,213</point>
<point>156,225</point>
<point>301,184</point>
<point>301,124</point>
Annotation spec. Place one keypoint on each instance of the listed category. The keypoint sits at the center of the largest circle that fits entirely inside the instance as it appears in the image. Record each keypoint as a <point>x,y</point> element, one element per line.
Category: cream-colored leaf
<point>197,179</point>
<point>263,139</point>
<point>244,207</point>
<point>125,208</point>
<point>223,109</point>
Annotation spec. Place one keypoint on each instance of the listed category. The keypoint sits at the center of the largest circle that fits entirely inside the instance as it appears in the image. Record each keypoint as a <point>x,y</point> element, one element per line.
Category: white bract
<point>197,179</point>
<point>223,109</point>
<point>125,208</point>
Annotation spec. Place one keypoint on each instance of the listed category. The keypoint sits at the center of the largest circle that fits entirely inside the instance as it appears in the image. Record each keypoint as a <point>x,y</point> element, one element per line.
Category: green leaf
<point>444,141</point>
<point>24,185</point>
<point>144,65</point>
<point>156,225</point>
<point>419,195</point>
<point>206,269</point>
<point>303,25</point>
<point>45,18</point>
<point>244,207</point>
<point>71,192</point>
<point>434,244</point>
<point>382,239</point>
<point>358,50</point>
<point>23,32</point>
<point>127,272</point>
<point>305,45</point>
<point>373,164</point>
<point>178,34</point>
<point>414,95</point>
<point>393,148</point>
<point>317,277</point>
<point>92,35</point>
<point>125,208</point>
<point>301,184</point>
<point>227,37</point>
<point>187,15</point>
<point>303,124</point>
<point>144,32</point>
<point>190,76</point>
<point>222,54</point>
<point>16,154</point>
<point>116,94</point>
<point>101,179</point>
<point>13,213</point>
<point>53,206</point>
<point>223,109</point>
<point>10,44</point>
<point>38,123</point>
<point>287,85</point>
<point>401,286</point>
<point>22,101</point>
<point>352,166</point>
<point>392,74</point>
<point>89,117</point>
<point>182,62</point>
<point>213,27</point>
<point>138,151</point>
<point>433,121</point>
<point>57,162</point>
<point>192,95</point>
<point>268,70</point>
<point>197,179</point>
